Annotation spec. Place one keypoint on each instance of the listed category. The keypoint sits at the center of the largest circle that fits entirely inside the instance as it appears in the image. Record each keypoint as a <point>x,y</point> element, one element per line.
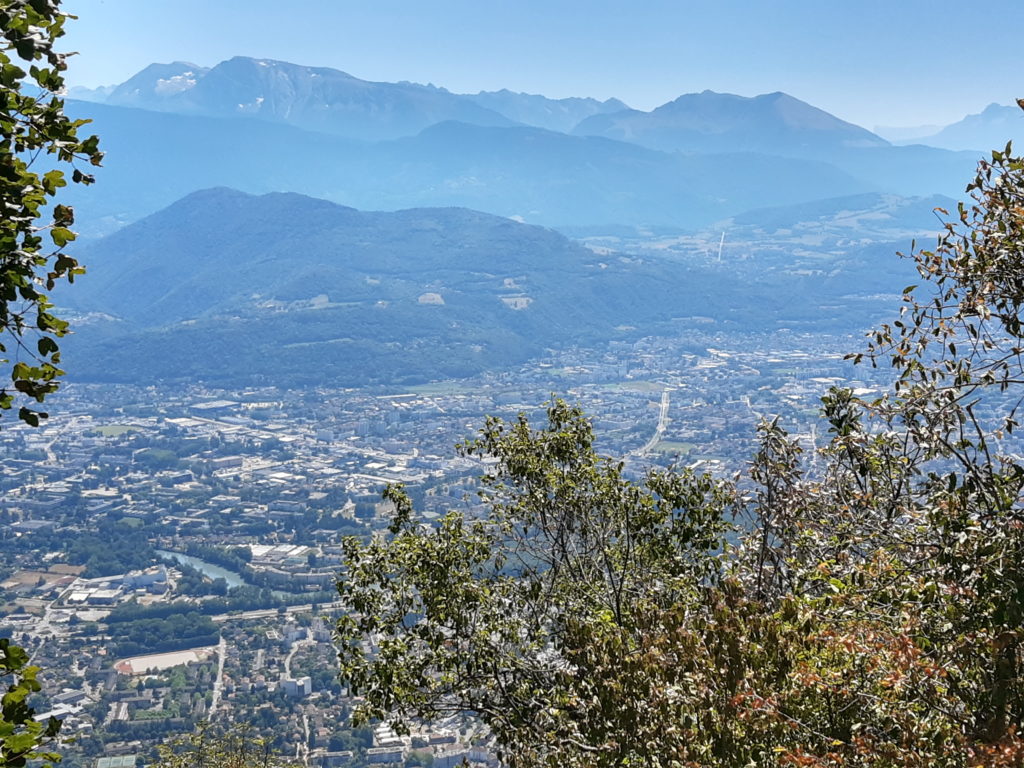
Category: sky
<point>873,62</point>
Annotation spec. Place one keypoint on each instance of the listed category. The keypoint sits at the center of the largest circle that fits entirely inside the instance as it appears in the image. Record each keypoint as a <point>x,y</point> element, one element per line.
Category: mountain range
<point>262,125</point>
<point>335,102</point>
<point>226,286</point>
<point>263,221</point>
<point>331,101</point>
<point>540,176</point>
<point>778,124</point>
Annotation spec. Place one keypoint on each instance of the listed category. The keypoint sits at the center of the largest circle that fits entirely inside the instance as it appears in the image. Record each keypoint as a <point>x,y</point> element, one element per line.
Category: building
<point>451,757</point>
<point>376,755</point>
<point>147,579</point>
<point>120,761</point>
<point>297,688</point>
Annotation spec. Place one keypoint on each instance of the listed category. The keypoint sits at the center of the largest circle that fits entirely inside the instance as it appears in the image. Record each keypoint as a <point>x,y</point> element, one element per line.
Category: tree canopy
<point>865,613</point>
<point>238,747</point>
<point>22,737</point>
<point>38,141</point>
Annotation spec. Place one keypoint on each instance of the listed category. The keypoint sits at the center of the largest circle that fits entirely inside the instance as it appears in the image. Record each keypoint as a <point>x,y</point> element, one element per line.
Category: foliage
<point>176,632</point>
<point>155,459</point>
<point>33,126</point>
<point>22,738</point>
<point>34,131</point>
<point>867,614</point>
<point>114,548</point>
<point>245,598</point>
<point>404,342</point>
<point>237,748</point>
<point>194,583</point>
<point>489,615</point>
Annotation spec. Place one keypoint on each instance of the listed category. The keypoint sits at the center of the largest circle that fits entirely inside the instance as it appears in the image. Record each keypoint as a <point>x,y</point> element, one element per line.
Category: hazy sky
<point>888,62</point>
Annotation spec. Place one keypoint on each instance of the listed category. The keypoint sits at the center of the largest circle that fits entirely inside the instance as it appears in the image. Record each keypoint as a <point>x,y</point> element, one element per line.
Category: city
<point>222,515</point>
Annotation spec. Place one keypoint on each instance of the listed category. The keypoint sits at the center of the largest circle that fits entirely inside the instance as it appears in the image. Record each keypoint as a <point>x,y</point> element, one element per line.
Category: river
<point>215,571</point>
<point>207,569</point>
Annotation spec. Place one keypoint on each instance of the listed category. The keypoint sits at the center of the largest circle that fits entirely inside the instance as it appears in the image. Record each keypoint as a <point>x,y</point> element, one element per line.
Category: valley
<point>302,290</point>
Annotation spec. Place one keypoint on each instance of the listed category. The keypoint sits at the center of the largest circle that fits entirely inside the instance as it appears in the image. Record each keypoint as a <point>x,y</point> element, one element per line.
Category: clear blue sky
<point>889,62</point>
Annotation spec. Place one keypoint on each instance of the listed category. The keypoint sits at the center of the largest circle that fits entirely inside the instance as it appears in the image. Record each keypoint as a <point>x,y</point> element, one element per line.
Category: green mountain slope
<point>227,286</point>
<point>231,288</point>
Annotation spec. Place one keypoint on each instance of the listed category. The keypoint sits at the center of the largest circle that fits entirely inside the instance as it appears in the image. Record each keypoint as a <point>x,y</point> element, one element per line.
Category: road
<point>305,740</point>
<point>44,622</point>
<point>301,750</point>
<point>662,423</point>
<point>265,613</point>
<point>758,414</point>
<point>288,659</point>
<point>218,683</point>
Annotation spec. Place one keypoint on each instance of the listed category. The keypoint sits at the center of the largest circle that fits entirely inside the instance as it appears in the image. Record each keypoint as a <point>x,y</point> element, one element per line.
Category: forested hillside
<point>409,296</point>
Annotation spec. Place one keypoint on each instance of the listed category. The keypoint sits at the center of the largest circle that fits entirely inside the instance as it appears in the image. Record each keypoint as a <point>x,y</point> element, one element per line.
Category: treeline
<point>107,547</point>
<point>234,559</point>
<point>110,547</point>
<point>115,548</point>
<point>143,730</point>
<point>195,583</point>
<point>238,599</point>
<point>176,632</point>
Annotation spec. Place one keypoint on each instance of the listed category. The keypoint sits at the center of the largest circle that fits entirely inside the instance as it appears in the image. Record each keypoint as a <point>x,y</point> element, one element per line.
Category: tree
<point>497,616</point>
<point>869,614</point>
<point>238,748</point>
<point>36,140</point>
<point>33,130</point>
<point>22,738</point>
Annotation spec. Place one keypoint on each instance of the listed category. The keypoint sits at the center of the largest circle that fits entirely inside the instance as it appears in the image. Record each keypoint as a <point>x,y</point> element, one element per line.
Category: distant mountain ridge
<point>153,86</point>
<point>543,177</point>
<point>263,125</point>
<point>227,286</point>
<point>778,124</point>
<point>541,112</point>
<point>723,122</point>
<point>990,129</point>
<point>332,101</point>
<point>313,98</point>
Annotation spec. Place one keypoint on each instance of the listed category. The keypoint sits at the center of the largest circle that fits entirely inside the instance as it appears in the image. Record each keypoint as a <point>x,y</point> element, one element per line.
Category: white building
<point>297,688</point>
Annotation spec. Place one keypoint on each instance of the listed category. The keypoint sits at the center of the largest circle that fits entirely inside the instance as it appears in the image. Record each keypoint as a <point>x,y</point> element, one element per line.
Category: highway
<point>265,613</point>
<point>662,423</point>
<point>301,750</point>
<point>218,683</point>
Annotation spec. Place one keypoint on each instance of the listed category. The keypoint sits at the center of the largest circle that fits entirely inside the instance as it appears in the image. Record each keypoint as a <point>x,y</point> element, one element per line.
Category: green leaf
<point>62,236</point>
<point>46,346</point>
